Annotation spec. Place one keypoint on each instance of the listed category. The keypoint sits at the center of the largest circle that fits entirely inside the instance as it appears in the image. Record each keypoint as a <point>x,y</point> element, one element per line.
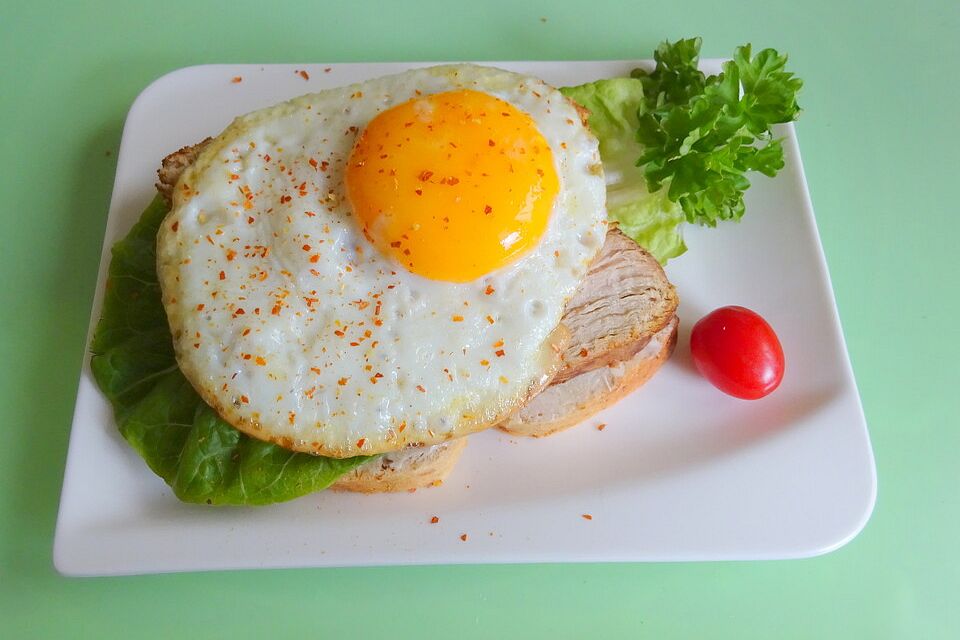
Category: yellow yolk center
<point>453,185</point>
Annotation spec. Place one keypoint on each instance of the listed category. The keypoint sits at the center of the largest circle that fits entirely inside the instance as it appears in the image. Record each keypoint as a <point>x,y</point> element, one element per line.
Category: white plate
<point>681,471</point>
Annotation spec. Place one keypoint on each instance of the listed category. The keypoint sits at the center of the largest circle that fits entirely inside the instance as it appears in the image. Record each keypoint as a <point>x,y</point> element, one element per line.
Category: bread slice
<point>566,404</point>
<point>405,470</point>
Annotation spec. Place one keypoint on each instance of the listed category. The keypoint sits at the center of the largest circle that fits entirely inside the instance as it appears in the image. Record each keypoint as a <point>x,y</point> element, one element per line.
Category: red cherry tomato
<point>736,350</point>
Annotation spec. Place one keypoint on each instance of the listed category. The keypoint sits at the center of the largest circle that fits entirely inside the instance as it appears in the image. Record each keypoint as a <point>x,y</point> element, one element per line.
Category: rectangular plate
<point>681,471</point>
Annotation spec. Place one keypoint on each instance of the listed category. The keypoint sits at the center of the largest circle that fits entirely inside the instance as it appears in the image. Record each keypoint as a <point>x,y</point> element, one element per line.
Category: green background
<point>879,137</point>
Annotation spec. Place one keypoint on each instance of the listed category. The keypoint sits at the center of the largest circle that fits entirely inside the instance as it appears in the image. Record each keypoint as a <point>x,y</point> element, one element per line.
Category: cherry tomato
<point>736,350</point>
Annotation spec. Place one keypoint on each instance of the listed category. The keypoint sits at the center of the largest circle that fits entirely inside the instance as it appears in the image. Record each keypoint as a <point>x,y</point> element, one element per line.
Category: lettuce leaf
<point>651,219</point>
<point>184,441</point>
<point>690,138</point>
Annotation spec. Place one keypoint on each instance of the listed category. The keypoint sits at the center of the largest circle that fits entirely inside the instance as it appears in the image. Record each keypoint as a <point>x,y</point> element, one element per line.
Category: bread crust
<point>173,166</point>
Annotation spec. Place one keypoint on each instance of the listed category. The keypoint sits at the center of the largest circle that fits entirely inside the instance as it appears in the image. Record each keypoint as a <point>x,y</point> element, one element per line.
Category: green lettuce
<point>651,219</point>
<point>676,145</point>
<point>183,440</point>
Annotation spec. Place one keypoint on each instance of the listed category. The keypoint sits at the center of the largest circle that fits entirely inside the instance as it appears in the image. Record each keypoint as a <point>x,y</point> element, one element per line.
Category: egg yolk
<point>453,185</point>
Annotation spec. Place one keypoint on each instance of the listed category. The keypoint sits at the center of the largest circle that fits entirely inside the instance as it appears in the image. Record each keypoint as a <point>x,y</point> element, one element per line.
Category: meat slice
<point>624,300</point>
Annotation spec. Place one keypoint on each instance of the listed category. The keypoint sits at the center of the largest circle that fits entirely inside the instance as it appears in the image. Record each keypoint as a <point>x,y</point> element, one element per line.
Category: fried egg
<point>382,264</point>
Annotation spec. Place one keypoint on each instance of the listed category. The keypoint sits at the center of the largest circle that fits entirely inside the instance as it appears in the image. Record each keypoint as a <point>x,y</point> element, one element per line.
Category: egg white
<point>297,330</point>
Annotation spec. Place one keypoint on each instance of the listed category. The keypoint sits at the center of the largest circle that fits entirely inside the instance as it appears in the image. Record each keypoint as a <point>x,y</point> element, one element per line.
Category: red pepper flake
<point>223,276</point>
<point>489,290</point>
<point>339,333</point>
<point>303,74</point>
<point>175,226</point>
<point>420,388</point>
<point>285,199</point>
<point>583,353</point>
<point>305,247</point>
<point>488,209</point>
<point>375,377</point>
<point>236,79</point>
<point>246,332</point>
<point>457,318</point>
<point>261,362</point>
<point>276,310</point>
<point>601,426</point>
<point>231,254</point>
<point>361,442</point>
<point>425,175</point>
<point>498,343</point>
<point>313,163</point>
<point>403,425</point>
<point>419,192</point>
<point>239,312</point>
<point>196,345</point>
<point>434,520</point>
<point>499,353</point>
<point>586,516</point>
<point>200,307</point>
<point>291,417</point>
<point>246,356</point>
<point>463,537</point>
<point>490,319</point>
<point>250,220</point>
<point>450,181</point>
<point>315,258</point>
<point>244,399</point>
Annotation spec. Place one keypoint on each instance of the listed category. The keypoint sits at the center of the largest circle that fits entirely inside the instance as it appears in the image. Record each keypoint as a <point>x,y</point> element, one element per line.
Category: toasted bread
<point>410,468</point>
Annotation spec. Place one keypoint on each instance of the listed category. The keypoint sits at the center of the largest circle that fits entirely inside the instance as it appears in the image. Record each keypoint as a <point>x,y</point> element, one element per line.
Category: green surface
<point>879,139</point>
